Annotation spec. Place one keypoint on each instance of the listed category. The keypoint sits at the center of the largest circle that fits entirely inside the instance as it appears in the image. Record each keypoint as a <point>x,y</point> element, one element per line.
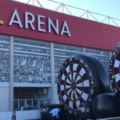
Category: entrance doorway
<point>30,97</point>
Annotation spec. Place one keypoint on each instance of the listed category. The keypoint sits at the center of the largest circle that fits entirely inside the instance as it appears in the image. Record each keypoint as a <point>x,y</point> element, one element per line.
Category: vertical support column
<point>62,8</point>
<point>33,2</point>
<point>83,50</point>
<point>87,13</point>
<point>110,55</point>
<point>18,103</point>
<point>38,103</point>
<point>11,87</point>
<point>52,73</point>
<point>108,19</point>
<point>44,101</point>
<point>25,102</point>
<point>32,102</point>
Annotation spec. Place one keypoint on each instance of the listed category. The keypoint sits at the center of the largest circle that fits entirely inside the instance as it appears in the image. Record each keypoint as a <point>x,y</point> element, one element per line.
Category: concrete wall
<point>6,115</point>
<point>56,96</point>
<point>4,99</point>
<point>27,115</point>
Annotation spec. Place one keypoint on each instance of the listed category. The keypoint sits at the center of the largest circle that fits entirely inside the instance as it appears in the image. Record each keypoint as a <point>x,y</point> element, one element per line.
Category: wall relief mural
<point>31,62</point>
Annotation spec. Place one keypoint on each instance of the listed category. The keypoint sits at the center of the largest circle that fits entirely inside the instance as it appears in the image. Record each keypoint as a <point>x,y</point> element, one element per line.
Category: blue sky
<point>109,8</point>
<point>105,7</point>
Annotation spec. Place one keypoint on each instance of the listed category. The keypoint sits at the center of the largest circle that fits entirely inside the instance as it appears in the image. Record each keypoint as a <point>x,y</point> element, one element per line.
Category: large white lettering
<point>50,24</point>
<point>65,29</point>
<point>40,23</point>
<point>30,22</point>
<point>15,14</point>
<point>15,19</point>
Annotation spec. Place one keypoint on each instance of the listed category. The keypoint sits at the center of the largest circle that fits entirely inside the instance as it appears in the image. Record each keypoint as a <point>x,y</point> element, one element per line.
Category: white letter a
<point>15,14</point>
<point>63,29</point>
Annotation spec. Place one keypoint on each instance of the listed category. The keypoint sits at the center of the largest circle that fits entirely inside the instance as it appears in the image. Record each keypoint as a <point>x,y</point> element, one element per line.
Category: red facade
<point>83,32</point>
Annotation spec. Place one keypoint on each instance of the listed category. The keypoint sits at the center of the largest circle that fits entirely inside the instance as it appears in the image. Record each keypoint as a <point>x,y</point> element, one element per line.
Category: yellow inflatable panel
<point>1,22</point>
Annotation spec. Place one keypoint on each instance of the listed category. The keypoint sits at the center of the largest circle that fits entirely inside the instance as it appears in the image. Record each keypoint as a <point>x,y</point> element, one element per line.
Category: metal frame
<point>85,13</point>
<point>25,101</point>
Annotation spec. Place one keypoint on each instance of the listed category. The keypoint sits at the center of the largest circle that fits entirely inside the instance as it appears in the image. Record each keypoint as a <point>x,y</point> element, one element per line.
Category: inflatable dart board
<point>80,80</point>
<point>115,71</point>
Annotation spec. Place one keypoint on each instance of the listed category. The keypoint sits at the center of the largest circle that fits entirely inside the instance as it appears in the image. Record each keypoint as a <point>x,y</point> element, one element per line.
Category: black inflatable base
<point>111,118</point>
<point>106,106</point>
<point>64,115</point>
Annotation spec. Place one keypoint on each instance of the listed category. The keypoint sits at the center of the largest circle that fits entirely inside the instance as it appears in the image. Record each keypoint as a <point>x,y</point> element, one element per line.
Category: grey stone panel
<point>32,61</point>
<point>4,59</point>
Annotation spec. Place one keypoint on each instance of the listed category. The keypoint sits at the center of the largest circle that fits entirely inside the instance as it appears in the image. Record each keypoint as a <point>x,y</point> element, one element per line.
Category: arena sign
<point>15,19</point>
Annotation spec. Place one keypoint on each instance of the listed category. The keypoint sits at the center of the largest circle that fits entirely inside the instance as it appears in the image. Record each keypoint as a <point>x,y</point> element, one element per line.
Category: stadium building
<point>34,43</point>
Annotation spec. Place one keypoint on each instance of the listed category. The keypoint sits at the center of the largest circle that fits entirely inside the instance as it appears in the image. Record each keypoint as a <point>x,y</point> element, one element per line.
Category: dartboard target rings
<point>115,72</point>
<point>74,84</point>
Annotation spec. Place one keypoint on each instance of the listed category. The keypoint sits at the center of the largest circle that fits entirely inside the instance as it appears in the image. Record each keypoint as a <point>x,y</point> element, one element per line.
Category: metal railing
<point>74,11</point>
<point>31,102</point>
